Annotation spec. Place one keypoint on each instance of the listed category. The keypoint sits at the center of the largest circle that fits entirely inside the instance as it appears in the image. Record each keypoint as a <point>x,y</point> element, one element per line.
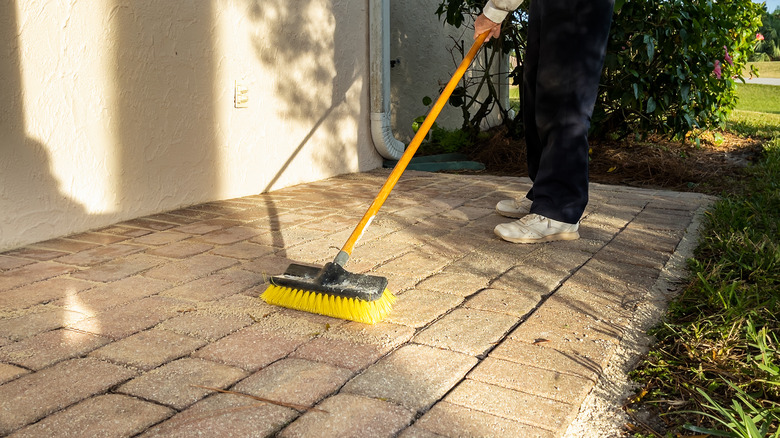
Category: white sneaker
<point>535,228</point>
<point>512,208</point>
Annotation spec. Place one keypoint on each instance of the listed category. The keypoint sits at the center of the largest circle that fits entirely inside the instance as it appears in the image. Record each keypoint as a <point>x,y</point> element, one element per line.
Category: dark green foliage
<point>768,49</point>
<point>443,141</point>
<point>660,71</point>
<point>672,65</point>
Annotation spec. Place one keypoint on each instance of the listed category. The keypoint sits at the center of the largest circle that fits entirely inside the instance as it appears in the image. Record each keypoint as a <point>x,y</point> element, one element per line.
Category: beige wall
<point>115,109</point>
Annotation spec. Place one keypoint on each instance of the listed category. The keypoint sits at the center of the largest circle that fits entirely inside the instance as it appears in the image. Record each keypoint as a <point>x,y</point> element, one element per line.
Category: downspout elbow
<point>384,141</point>
<point>379,46</point>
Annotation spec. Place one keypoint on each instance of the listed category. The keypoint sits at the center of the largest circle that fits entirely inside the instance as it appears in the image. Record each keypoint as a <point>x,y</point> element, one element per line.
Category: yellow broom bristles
<point>368,312</point>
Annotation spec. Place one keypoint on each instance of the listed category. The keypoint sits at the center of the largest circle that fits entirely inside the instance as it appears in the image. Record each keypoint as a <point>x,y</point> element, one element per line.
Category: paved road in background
<point>764,81</point>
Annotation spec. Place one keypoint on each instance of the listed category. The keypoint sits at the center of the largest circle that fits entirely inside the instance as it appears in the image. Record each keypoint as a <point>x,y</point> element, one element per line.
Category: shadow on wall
<point>164,122</point>
<point>154,116</point>
<point>19,180</point>
<point>311,46</point>
<point>159,118</point>
<point>318,54</point>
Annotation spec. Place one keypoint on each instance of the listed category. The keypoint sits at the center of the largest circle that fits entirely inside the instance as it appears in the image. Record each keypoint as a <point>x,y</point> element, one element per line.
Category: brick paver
<point>32,273</point>
<point>183,382</point>
<point>204,325</point>
<point>417,308</point>
<point>110,415</point>
<point>149,349</point>
<point>253,348</point>
<point>13,259</point>
<point>42,292</point>
<point>10,372</point>
<point>100,254</point>
<point>468,331</point>
<point>116,323</point>
<point>347,415</point>
<point>33,396</point>
<point>116,332</point>
<point>517,303</point>
<point>295,381</point>
<point>36,320</point>
<point>215,286</point>
<point>190,268</point>
<point>181,250</point>
<point>515,405</point>
<point>48,348</point>
<point>65,245</point>
<point>118,269</point>
<point>395,378</point>
<point>554,385</point>
<point>107,296</point>
<point>446,418</point>
<point>224,415</point>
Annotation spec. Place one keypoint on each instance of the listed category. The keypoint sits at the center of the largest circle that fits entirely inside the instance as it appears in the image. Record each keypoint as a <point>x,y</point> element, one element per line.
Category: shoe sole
<point>551,238</point>
<point>517,215</point>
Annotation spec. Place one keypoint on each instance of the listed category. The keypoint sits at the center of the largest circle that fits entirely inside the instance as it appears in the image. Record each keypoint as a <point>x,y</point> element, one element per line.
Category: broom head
<point>332,291</point>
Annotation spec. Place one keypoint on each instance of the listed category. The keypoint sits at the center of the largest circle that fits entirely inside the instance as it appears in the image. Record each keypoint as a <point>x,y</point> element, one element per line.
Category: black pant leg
<point>530,66</point>
<point>567,44</point>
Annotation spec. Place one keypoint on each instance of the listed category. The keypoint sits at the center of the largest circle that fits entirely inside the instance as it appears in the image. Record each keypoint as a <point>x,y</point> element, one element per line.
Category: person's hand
<point>483,24</point>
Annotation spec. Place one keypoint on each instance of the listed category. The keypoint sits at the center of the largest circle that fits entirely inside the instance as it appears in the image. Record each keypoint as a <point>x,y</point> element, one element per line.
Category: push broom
<point>332,290</point>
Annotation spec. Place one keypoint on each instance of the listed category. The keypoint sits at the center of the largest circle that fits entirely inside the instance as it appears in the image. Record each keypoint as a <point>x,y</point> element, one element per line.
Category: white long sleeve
<point>497,10</point>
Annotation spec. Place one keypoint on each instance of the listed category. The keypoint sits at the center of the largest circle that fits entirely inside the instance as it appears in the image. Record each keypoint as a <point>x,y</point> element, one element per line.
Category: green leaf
<point>417,123</point>
<point>650,47</point>
<point>458,97</point>
<point>650,105</point>
<point>712,432</point>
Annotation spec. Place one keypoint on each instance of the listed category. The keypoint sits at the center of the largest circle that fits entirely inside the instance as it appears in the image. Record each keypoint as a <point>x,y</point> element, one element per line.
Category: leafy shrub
<point>767,49</point>
<point>671,65</point>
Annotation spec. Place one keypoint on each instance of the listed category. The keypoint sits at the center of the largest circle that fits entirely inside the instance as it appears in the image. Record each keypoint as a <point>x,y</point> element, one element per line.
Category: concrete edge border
<point>601,413</point>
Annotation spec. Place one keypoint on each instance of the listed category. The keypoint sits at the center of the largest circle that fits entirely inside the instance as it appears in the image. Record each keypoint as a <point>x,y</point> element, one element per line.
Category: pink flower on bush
<point>759,37</point>
<point>727,57</point>
<point>717,70</point>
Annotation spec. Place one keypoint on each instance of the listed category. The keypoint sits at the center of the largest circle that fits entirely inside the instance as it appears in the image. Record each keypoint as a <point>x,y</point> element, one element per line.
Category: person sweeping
<point>566,46</point>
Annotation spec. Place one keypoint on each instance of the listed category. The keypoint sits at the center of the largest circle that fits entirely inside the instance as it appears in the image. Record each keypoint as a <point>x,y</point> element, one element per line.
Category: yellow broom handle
<point>399,168</point>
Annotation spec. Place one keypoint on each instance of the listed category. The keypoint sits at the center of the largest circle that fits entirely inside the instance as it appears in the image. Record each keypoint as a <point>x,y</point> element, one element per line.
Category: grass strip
<point>766,69</point>
<point>715,368</point>
<point>759,97</point>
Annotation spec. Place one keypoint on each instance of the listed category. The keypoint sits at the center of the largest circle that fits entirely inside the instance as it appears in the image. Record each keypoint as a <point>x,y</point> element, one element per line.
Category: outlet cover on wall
<point>242,95</point>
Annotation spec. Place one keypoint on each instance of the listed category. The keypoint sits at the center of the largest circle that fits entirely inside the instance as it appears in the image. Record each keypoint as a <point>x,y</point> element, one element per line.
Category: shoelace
<point>532,218</point>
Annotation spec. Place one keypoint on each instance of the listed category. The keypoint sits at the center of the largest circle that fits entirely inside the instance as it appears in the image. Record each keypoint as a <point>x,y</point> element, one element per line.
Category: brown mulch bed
<point>710,167</point>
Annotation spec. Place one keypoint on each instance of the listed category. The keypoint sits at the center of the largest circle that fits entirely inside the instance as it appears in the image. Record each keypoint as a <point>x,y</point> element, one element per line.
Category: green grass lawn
<point>765,69</point>
<point>758,98</point>
<point>757,112</point>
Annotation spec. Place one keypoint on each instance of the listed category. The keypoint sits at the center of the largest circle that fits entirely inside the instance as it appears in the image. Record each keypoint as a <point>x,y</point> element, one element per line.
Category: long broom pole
<point>343,255</point>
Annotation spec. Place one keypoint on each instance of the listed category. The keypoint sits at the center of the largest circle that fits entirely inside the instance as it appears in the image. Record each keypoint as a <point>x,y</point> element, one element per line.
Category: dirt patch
<point>711,166</point>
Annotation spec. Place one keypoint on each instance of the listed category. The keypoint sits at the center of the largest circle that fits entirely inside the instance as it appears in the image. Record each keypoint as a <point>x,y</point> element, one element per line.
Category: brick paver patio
<point>132,329</point>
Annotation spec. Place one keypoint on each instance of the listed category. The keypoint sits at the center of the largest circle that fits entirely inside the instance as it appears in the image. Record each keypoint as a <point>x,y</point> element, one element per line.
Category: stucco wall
<point>116,109</point>
<point>424,45</point>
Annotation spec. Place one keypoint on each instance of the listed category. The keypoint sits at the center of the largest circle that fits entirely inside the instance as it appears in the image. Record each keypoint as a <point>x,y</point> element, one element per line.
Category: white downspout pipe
<point>379,48</point>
